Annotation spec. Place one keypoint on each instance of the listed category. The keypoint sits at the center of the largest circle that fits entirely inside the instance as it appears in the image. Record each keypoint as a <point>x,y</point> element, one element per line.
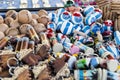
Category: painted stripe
<point>89,10</point>
<point>94,62</point>
<point>98,15</point>
<point>66,27</point>
<point>65,17</point>
<point>76,20</point>
<point>81,75</point>
<point>52,26</point>
<point>102,51</point>
<point>59,25</point>
<point>60,11</point>
<point>117,37</point>
<point>113,50</point>
<point>90,19</point>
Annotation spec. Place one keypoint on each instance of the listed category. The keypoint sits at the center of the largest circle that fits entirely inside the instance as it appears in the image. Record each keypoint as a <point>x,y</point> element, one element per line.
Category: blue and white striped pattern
<point>113,75</point>
<point>57,20</point>
<point>78,27</point>
<point>65,16</point>
<point>117,37</point>
<point>95,28</point>
<point>59,11</point>
<point>52,26</point>
<point>84,74</point>
<point>112,48</point>
<point>81,46</point>
<point>90,19</point>
<point>98,15</point>
<point>59,26</point>
<point>66,28</point>
<point>88,10</point>
<point>52,16</point>
<point>80,38</point>
<point>67,46</point>
<point>101,48</point>
<point>77,18</point>
<point>86,30</point>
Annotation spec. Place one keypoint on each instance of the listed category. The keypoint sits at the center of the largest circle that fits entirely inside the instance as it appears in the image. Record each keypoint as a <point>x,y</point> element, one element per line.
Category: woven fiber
<point>111,10</point>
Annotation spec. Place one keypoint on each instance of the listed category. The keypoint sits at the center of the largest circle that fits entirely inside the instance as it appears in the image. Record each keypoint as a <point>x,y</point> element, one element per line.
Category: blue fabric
<point>66,28</point>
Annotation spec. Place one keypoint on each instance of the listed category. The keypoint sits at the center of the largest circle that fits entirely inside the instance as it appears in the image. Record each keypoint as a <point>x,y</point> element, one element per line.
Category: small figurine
<point>107,29</point>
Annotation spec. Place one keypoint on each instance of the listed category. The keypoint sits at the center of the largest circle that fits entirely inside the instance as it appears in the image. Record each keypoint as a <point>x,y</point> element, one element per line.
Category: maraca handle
<point>99,36</point>
<point>80,33</point>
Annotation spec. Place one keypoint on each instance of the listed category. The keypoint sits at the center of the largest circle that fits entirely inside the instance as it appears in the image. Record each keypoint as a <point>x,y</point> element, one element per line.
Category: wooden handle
<point>80,33</point>
<point>99,36</point>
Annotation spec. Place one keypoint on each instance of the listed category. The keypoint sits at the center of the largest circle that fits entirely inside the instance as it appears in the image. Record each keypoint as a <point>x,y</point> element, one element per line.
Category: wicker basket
<point>111,10</point>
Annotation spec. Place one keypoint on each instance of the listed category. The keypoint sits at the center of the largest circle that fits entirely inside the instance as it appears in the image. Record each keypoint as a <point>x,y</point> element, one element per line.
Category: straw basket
<point>111,10</point>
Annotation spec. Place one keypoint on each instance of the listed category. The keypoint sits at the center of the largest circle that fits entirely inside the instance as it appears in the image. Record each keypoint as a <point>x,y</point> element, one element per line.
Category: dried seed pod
<point>35,16</point>
<point>43,19</point>
<point>42,12</point>
<point>23,28</point>
<point>24,16</point>
<point>34,22</point>
<point>15,24</point>
<point>1,20</point>
<point>12,14</point>
<point>12,32</point>
<point>2,35</point>
<point>40,28</point>
<point>8,20</point>
<point>3,27</point>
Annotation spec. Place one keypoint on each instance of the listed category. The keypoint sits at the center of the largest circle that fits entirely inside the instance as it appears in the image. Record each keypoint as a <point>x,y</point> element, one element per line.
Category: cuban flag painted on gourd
<point>86,30</point>
<point>65,16</point>
<point>98,13</point>
<point>60,11</point>
<point>90,19</point>
<point>66,28</point>
<point>107,26</point>
<point>77,18</point>
<point>88,10</point>
<point>95,28</point>
<point>112,48</point>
